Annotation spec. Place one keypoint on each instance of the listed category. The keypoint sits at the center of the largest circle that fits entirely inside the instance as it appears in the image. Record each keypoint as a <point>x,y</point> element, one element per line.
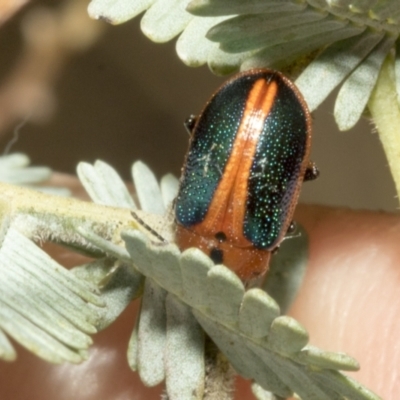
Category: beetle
<point>247,159</point>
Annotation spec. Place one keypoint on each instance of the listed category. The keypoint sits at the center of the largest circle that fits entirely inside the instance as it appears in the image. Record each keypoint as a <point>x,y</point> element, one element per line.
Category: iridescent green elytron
<point>281,138</point>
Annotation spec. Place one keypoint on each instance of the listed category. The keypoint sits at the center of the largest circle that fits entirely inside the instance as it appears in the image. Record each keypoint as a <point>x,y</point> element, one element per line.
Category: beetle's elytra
<point>247,157</point>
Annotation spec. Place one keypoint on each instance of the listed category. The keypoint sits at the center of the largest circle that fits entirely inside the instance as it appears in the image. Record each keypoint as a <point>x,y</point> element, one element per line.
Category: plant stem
<point>42,216</point>
<point>220,376</point>
<point>385,112</point>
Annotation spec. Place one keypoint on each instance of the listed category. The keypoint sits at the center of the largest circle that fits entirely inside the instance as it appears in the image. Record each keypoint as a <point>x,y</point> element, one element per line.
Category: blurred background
<point>73,89</point>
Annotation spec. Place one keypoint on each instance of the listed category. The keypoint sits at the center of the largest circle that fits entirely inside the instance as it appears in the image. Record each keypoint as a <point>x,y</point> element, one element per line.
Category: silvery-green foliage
<point>325,43</point>
<point>15,169</point>
<point>185,293</point>
<point>52,311</point>
<point>43,306</point>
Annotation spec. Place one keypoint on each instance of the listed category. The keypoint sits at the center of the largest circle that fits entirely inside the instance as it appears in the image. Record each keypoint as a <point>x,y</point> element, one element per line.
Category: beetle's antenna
<point>147,227</point>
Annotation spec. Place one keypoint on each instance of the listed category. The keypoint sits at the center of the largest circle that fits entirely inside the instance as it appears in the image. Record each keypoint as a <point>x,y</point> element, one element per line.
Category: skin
<point>349,302</point>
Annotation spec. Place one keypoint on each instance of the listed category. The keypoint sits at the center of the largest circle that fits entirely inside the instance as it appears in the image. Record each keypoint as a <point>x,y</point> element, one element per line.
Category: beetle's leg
<point>312,172</point>
<point>275,250</point>
<point>292,228</point>
<point>189,123</point>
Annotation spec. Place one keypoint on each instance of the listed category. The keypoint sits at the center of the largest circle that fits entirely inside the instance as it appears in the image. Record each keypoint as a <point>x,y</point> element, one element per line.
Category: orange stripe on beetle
<point>243,171</point>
